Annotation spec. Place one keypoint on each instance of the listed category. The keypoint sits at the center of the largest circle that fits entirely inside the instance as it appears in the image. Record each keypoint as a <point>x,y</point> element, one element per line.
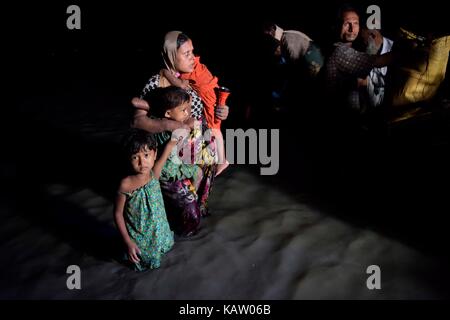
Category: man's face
<point>143,161</point>
<point>185,58</point>
<point>372,39</point>
<point>350,26</point>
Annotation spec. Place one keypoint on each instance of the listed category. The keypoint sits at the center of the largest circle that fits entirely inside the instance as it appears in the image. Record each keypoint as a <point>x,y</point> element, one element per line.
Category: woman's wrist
<point>167,125</point>
<point>172,125</point>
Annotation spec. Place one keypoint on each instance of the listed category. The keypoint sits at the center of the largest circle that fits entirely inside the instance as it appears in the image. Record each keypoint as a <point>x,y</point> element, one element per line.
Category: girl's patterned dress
<point>147,224</point>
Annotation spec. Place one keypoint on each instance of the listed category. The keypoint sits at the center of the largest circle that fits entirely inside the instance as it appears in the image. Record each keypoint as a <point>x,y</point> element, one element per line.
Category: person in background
<point>374,84</point>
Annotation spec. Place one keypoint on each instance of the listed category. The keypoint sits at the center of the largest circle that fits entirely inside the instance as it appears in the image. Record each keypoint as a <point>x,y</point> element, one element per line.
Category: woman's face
<point>184,62</point>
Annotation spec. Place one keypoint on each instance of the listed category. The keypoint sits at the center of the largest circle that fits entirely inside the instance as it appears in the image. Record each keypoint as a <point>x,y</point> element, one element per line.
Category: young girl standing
<point>139,210</point>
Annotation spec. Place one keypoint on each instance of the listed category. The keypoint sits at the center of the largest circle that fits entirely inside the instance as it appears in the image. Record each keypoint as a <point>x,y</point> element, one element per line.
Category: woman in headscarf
<point>185,199</point>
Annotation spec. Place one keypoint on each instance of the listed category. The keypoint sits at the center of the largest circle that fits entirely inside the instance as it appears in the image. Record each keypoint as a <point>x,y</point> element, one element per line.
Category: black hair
<point>163,99</point>
<point>181,39</point>
<point>135,139</point>
<point>268,26</point>
<point>336,27</point>
<point>346,7</point>
<point>269,44</point>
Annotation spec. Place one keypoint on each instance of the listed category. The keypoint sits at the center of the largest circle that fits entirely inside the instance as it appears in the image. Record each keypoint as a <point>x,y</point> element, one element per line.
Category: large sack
<point>419,74</point>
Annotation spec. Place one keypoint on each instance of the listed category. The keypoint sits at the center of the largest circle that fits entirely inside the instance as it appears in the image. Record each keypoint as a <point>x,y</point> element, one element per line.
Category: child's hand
<point>184,84</point>
<point>133,251</point>
<point>175,80</point>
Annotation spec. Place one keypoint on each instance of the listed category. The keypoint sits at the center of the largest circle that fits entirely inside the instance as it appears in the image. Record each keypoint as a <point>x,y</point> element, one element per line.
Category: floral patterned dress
<point>186,183</point>
<point>147,224</point>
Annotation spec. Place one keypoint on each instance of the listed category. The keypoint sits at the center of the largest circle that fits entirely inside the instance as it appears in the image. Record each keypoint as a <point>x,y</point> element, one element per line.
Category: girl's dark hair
<point>135,139</point>
<point>163,99</point>
<point>181,39</point>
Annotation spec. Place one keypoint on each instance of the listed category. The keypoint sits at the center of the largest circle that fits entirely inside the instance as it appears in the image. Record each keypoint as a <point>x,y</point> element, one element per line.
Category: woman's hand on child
<point>184,84</point>
<point>133,251</point>
<point>179,134</point>
<point>190,123</point>
<point>140,104</point>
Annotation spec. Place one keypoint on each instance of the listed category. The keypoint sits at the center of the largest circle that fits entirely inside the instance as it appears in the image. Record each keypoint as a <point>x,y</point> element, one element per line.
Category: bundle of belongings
<point>416,78</point>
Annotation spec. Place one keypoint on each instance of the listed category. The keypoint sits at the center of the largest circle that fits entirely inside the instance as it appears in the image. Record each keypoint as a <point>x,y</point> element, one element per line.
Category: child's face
<point>180,113</point>
<point>143,161</point>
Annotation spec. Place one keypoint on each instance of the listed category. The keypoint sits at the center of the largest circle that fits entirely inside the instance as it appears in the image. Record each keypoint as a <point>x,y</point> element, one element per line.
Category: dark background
<point>399,185</point>
<point>118,45</point>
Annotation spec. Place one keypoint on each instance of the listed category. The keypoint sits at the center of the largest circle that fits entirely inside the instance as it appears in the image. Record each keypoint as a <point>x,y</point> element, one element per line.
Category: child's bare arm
<point>177,82</point>
<point>119,219</point>
<point>133,249</point>
<point>159,164</point>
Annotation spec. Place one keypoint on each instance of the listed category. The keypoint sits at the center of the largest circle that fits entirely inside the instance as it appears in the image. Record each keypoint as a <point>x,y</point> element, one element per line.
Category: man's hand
<point>221,112</point>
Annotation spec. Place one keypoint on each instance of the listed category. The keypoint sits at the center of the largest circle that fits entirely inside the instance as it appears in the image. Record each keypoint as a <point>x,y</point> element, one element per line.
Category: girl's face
<point>143,161</point>
<point>180,113</point>
<point>184,62</point>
